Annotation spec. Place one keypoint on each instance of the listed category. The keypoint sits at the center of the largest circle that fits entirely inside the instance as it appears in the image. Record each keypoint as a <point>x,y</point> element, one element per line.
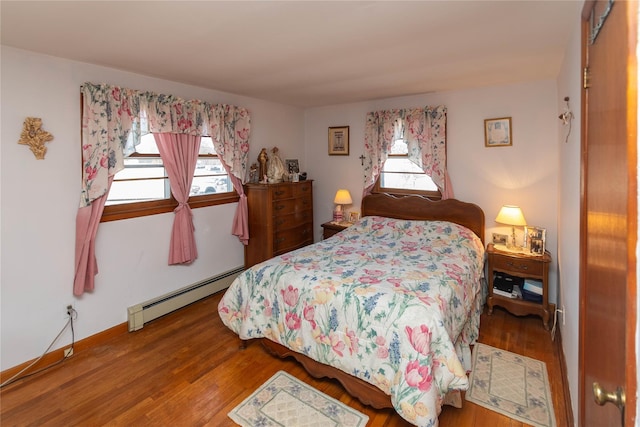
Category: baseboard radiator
<point>145,312</point>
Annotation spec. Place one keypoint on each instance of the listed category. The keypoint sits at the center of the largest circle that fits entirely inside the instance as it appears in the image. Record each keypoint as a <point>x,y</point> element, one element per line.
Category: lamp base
<point>337,216</point>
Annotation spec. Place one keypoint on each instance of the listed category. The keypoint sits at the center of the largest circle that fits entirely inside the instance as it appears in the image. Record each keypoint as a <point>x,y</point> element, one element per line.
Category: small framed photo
<point>497,132</point>
<point>536,237</point>
<point>500,239</point>
<point>339,141</point>
<point>292,166</point>
<point>354,217</point>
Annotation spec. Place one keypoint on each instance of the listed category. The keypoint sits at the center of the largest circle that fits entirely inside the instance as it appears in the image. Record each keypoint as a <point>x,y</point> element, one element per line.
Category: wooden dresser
<point>280,219</point>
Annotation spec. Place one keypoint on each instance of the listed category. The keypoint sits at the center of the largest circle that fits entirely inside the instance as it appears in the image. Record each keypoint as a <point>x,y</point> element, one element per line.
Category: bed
<point>389,307</point>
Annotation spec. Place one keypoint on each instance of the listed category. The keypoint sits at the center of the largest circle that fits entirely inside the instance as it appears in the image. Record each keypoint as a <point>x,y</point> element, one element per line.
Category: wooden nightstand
<point>331,228</point>
<point>526,267</point>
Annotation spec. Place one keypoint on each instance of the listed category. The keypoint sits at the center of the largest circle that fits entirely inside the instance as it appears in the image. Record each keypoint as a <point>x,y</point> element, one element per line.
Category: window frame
<point>153,207</point>
<point>377,187</point>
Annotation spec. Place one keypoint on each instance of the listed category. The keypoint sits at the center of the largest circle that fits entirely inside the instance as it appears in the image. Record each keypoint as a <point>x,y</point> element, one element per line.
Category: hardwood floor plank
<point>187,368</point>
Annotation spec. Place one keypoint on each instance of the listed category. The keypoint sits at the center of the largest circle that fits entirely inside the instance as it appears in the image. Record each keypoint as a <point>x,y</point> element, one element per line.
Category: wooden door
<point>609,211</point>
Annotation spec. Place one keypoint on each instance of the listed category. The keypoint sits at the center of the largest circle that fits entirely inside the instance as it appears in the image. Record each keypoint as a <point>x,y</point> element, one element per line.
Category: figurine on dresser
<point>254,176</point>
<point>263,158</point>
<point>276,171</point>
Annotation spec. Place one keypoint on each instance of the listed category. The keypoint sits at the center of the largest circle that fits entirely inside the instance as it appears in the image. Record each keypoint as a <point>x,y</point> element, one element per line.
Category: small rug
<point>513,385</point>
<point>286,401</point>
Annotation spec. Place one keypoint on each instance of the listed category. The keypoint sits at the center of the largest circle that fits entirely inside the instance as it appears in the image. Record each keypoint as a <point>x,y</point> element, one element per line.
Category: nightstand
<point>331,228</point>
<point>524,266</point>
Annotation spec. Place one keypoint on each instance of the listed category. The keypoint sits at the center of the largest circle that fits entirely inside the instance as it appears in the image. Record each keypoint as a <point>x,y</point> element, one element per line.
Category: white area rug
<point>286,401</point>
<point>513,385</point>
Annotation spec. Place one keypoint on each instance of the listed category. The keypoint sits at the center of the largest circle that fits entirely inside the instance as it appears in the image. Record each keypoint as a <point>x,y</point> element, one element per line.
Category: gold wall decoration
<point>33,136</point>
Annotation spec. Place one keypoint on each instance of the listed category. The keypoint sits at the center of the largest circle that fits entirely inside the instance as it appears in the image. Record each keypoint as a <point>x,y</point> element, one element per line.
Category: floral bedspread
<point>393,302</point>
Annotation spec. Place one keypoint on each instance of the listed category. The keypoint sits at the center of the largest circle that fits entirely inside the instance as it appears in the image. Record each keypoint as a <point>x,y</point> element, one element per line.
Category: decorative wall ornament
<point>33,136</point>
<point>566,117</point>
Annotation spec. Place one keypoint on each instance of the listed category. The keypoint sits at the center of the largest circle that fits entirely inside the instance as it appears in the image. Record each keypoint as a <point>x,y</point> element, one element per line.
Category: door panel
<point>609,211</point>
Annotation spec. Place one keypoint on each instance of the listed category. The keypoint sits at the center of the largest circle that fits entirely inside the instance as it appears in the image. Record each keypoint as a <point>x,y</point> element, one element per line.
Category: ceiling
<point>304,53</point>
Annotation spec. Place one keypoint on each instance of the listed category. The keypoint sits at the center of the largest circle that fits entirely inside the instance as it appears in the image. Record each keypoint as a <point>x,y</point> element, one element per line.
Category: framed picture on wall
<point>497,132</point>
<point>339,141</point>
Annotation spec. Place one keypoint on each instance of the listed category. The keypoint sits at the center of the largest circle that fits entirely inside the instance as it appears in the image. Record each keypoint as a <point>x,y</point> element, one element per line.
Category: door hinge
<point>585,78</point>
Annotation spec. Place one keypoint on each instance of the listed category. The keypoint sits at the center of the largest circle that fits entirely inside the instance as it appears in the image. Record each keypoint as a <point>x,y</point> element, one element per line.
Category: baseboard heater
<point>145,312</point>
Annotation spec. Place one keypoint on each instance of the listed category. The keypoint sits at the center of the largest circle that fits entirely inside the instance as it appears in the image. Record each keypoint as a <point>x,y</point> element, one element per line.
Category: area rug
<point>513,385</point>
<point>286,401</point>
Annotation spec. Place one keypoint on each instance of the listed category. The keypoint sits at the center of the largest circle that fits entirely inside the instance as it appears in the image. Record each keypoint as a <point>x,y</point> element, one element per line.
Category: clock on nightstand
<point>520,266</point>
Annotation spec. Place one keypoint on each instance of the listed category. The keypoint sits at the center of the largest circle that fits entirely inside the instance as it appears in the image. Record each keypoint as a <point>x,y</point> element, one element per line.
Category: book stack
<point>532,290</point>
<point>507,286</point>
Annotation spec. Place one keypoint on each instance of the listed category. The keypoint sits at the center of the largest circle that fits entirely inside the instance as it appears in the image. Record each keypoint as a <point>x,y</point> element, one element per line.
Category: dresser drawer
<point>283,222</point>
<point>302,189</point>
<point>282,192</point>
<point>529,266</point>
<point>287,206</point>
<point>287,240</point>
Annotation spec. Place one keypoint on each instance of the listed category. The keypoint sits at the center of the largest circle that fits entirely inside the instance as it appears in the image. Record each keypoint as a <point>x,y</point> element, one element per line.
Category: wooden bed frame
<point>400,207</point>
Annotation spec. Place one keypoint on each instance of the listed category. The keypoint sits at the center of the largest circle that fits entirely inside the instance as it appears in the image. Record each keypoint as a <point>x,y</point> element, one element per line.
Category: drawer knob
<point>518,266</point>
<point>279,193</point>
<point>280,240</point>
<point>279,207</point>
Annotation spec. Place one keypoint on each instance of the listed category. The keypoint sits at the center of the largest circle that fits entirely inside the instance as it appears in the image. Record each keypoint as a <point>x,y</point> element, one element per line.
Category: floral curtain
<point>231,142</point>
<point>424,130</point>
<point>381,129</point>
<point>87,221</point>
<point>114,118</point>
<point>179,154</point>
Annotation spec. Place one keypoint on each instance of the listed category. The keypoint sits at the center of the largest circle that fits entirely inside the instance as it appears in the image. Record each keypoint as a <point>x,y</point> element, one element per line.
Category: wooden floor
<point>186,369</point>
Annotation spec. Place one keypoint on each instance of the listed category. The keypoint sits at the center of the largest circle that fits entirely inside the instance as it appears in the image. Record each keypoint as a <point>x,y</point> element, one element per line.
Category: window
<point>142,187</point>
<point>402,176</point>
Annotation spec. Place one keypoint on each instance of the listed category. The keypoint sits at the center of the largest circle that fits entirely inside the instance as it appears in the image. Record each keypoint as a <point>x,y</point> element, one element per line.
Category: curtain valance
<point>115,118</point>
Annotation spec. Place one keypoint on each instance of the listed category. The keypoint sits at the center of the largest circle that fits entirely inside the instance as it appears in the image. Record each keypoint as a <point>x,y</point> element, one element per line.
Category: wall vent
<point>145,312</point>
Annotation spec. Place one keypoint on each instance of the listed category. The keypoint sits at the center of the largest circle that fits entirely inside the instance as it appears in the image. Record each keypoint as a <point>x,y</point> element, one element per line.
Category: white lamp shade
<point>511,215</point>
<point>342,197</point>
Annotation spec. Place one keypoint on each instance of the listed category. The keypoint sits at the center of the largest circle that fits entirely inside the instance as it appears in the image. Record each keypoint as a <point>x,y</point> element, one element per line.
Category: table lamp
<point>511,215</point>
<point>342,198</point>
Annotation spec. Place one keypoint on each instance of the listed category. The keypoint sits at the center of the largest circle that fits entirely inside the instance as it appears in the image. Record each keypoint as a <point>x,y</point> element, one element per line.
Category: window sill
<point>431,195</point>
<point>126,211</point>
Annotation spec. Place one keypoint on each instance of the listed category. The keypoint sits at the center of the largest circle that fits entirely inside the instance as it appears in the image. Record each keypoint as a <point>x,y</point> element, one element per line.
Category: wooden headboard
<point>419,207</point>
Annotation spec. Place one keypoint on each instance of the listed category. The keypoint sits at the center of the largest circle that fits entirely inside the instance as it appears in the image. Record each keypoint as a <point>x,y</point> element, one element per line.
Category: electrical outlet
<point>68,352</point>
<point>68,311</point>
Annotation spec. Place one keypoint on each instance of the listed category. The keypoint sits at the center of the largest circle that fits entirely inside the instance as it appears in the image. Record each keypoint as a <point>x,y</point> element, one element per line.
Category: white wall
<point>525,174</point>
<point>40,199</point>
<point>569,84</point>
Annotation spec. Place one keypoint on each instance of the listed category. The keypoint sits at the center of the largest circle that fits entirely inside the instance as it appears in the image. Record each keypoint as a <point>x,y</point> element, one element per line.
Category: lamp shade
<point>511,215</point>
<point>342,197</point>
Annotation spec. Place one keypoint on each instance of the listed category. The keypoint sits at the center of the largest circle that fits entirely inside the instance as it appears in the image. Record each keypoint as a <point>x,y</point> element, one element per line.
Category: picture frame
<point>354,217</point>
<point>339,141</point>
<point>500,239</point>
<point>292,166</point>
<point>497,132</point>
<point>536,237</point>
